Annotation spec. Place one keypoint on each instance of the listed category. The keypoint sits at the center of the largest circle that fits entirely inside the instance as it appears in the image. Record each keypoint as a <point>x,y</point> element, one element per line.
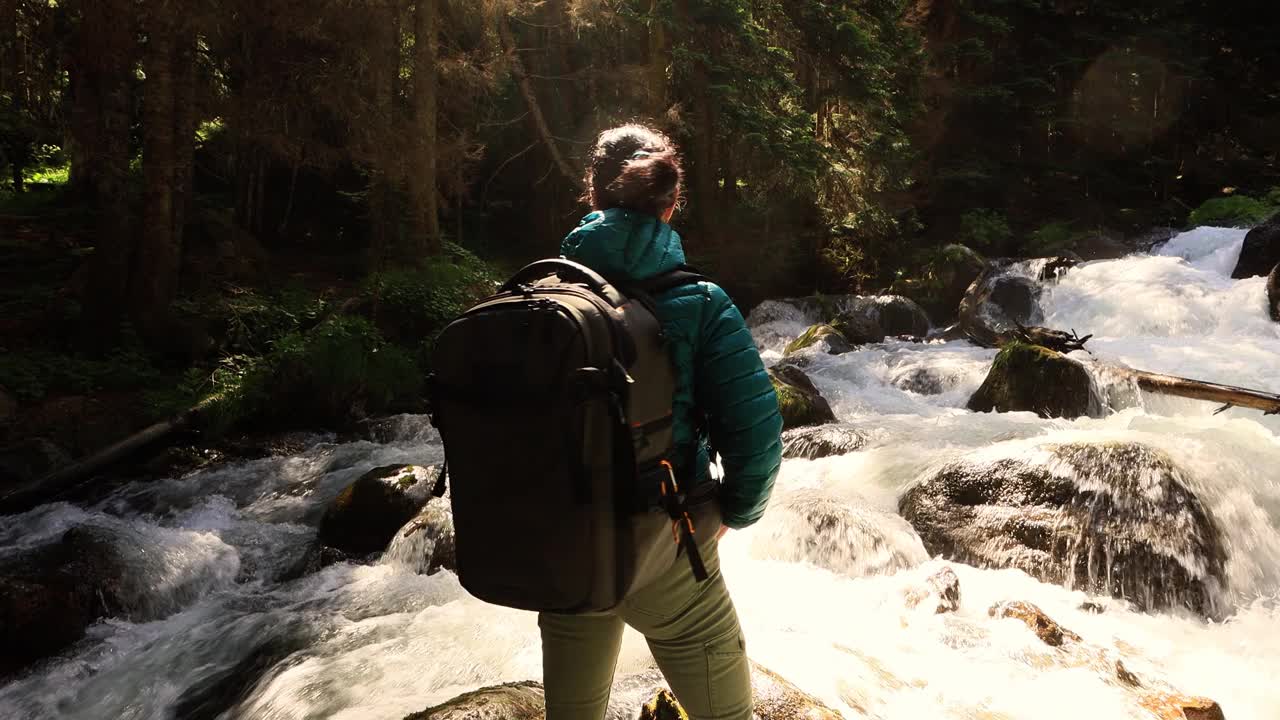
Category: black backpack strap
<point>670,280</point>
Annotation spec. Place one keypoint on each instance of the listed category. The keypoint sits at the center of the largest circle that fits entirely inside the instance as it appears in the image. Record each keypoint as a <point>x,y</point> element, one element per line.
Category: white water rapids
<point>381,642</point>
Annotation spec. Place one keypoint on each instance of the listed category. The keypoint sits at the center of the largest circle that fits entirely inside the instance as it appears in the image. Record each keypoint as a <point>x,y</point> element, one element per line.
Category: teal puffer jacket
<point>718,369</point>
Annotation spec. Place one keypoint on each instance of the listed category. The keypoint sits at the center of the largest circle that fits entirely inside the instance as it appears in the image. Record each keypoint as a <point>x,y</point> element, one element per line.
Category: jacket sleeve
<point>735,394</point>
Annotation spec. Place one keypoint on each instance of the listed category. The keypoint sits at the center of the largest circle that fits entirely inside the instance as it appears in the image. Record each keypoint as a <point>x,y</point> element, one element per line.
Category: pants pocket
<point>728,675</point>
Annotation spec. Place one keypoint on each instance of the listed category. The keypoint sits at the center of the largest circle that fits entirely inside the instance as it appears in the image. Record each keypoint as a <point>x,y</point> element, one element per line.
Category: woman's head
<point>636,168</point>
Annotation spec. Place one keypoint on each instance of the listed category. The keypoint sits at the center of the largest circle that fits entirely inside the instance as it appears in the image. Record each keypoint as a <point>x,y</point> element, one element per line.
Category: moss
<point>813,335</point>
<point>799,405</point>
<point>1232,211</point>
<point>663,706</point>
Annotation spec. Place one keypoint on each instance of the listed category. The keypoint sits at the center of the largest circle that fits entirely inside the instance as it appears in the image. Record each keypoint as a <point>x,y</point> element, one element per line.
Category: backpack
<point>553,399</point>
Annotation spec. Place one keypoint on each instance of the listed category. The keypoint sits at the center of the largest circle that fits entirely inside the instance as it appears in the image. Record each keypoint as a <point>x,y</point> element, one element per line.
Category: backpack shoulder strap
<point>670,280</point>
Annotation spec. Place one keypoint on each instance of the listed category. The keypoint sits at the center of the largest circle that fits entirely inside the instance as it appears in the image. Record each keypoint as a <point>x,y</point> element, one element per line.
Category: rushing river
<point>379,641</point>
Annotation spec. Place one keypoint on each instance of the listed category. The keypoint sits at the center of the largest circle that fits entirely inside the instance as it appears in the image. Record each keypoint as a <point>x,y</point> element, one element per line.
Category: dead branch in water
<point>1226,395</point>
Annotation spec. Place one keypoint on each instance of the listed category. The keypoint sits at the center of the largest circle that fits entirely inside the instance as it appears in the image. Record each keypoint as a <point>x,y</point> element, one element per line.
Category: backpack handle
<point>567,270</point>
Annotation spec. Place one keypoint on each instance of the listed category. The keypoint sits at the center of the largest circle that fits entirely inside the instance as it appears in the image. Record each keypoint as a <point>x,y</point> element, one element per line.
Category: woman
<point>634,184</point>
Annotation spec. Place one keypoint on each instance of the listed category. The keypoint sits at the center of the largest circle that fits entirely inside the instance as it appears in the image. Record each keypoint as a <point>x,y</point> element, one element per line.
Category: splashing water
<point>822,601</point>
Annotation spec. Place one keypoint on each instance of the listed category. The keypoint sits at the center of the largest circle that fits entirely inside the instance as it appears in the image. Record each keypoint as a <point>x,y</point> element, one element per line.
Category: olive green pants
<point>692,630</point>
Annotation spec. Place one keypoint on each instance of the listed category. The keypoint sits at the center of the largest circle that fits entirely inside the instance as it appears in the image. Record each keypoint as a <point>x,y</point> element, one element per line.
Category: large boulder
<point>772,697</point>
<point>368,512</point>
<point>426,544</point>
<point>1109,518</point>
<point>893,315</point>
<point>997,303</point>
<point>798,398</point>
<point>827,337</point>
<point>955,272</point>
<point>513,701</point>
<point>1261,250</point>
<point>1273,293</point>
<point>1029,378</point>
<point>819,441</point>
<point>809,526</point>
<point>47,599</point>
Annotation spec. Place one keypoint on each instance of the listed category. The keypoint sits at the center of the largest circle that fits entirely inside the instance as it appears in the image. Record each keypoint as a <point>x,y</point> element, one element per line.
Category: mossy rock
<point>368,512</point>
<point>1029,378</point>
<point>833,339</point>
<point>513,701</point>
<point>798,398</point>
<point>1273,293</point>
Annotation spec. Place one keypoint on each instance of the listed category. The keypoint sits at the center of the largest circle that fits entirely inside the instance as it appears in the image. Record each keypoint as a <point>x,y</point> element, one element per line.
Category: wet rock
<point>1054,268</point>
<point>1126,677</point>
<point>1092,607</point>
<point>211,697</point>
<point>426,545</point>
<point>924,380</point>
<point>798,398</point>
<point>820,441</point>
<point>960,267</point>
<point>513,701</point>
<point>1171,706</point>
<point>30,460</point>
<point>1273,293</point>
<point>1147,241</point>
<point>941,591</point>
<point>771,311</point>
<point>1106,518</point>
<point>810,526</point>
<point>825,336</point>
<point>997,303</point>
<point>1045,628</point>
<point>859,329</point>
<point>1029,378</point>
<point>50,595</point>
<point>773,698</point>
<point>1101,245</point>
<point>366,515</point>
<point>893,315</point>
<point>1261,250</point>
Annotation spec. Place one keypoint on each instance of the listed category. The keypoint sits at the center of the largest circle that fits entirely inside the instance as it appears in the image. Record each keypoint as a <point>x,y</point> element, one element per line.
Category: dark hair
<point>633,167</point>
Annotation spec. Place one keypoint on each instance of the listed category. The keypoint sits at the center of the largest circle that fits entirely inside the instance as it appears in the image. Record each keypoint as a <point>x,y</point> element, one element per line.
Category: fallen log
<point>1226,395</point>
<point>35,492</point>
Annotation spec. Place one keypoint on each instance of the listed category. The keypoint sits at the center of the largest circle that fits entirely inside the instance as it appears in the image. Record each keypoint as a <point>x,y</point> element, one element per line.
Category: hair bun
<point>636,168</point>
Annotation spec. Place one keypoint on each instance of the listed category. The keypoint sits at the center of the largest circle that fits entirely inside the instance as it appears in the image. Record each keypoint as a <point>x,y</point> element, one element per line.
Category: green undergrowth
<point>1236,210</point>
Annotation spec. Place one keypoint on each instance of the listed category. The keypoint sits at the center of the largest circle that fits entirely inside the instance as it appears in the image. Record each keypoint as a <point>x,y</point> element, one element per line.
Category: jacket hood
<point>624,243</point>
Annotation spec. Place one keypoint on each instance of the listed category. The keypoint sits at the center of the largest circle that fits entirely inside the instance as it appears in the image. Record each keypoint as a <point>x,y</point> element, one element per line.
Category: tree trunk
<point>423,179</point>
<point>101,65</point>
<point>185,121</point>
<point>535,109</point>
<point>381,202</point>
<point>659,59</point>
<point>1229,396</point>
<point>705,171</point>
<point>153,279</point>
